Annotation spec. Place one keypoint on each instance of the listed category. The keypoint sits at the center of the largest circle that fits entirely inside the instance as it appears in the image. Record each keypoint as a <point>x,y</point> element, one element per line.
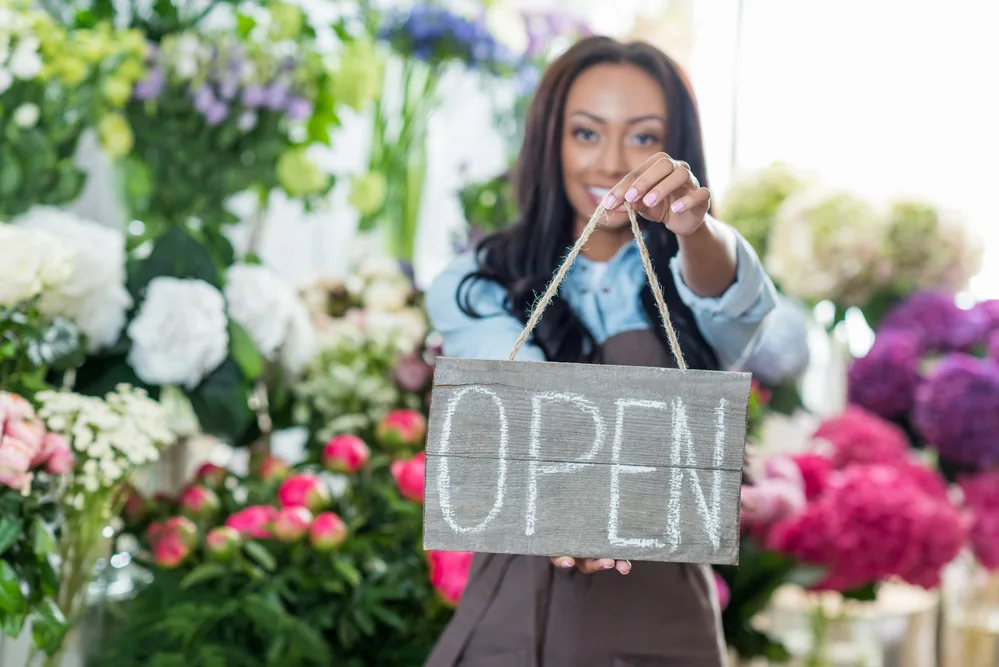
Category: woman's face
<point>615,118</point>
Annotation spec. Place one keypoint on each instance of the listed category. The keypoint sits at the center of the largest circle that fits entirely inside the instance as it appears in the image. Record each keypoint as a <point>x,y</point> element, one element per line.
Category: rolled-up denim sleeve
<point>731,322</point>
<point>490,336</point>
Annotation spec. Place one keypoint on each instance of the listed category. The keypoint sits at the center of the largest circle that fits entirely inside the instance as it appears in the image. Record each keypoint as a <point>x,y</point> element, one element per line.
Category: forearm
<point>708,258</point>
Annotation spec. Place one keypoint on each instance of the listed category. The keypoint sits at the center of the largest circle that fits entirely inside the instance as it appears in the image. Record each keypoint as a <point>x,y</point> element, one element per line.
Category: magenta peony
<point>857,436</point>
<point>402,428</point>
<point>327,531</point>
<point>222,542</point>
<point>981,498</point>
<point>409,476</point>
<point>304,490</point>
<point>885,380</point>
<point>957,411</point>
<point>936,320</point>
<point>254,521</point>
<point>292,523</point>
<point>870,523</point>
<point>273,469</point>
<point>815,471</point>
<point>345,454</point>
<point>198,502</point>
<point>449,573</point>
<point>173,541</point>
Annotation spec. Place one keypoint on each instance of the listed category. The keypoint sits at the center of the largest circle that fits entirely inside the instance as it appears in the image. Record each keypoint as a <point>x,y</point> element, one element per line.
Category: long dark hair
<point>523,257</point>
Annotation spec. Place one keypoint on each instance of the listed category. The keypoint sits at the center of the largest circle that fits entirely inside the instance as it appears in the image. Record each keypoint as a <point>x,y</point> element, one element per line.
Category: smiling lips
<point>597,194</point>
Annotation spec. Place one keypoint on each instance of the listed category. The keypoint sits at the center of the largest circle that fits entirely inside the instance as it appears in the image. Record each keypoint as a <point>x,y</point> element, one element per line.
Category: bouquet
<point>34,463</point>
<point>54,86</point>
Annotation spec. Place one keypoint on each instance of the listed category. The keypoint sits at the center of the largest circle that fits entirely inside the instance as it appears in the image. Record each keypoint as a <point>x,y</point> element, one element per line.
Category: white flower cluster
<point>111,436</point>
<point>273,314</point>
<point>94,295</point>
<point>32,261</point>
<point>20,56</point>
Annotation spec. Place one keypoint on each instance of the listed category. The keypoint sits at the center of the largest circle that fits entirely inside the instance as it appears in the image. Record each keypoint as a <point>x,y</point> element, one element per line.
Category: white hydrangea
<point>32,261</point>
<point>94,297</point>
<point>273,314</point>
<point>180,334</point>
<point>387,294</point>
<point>111,436</point>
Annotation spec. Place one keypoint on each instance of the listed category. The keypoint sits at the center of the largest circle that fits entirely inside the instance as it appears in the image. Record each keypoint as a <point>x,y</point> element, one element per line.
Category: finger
<point>616,195</point>
<point>699,197</point>
<point>564,562</point>
<point>591,565</point>
<point>623,566</point>
<point>661,191</point>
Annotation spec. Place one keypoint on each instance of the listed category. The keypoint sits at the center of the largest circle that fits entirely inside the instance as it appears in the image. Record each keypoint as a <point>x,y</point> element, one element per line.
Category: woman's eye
<point>646,139</point>
<point>584,134</point>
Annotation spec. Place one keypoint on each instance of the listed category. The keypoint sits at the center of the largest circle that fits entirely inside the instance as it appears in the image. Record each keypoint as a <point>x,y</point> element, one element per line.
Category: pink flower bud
<point>199,502</point>
<point>15,461</point>
<point>59,456</point>
<point>173,541</point>
<point>183,527</point>
<point>273,469</point>
<point>292,523</point>
<point>409,476</point>
<point>346,454</point>
<point>211,475</point>
<point>402,428</point>
<point>254,521</point>
<point>327,531</point>
<point>134,510</point>
<point>449,573</point>
<point>304,490</point>
<point>222,542</point>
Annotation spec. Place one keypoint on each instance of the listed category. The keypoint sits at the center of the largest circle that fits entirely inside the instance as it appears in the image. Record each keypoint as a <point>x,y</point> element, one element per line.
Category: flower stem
<point>820,629</point>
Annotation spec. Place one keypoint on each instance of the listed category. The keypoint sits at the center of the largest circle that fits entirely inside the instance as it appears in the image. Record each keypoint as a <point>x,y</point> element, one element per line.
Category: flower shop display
<point>55,84</point>
<point>34,464</point>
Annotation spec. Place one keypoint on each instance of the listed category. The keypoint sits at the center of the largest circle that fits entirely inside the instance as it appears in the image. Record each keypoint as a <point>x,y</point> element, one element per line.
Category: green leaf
<point>12,624</point>
<point>259,553</point>
<point>50,576</point>
<point>176,254</point>
<point>245,352</point>
<point>866,593</point>
<point>48,626</point>
<point>202,573</point>
<point>10,529</point>
<point>347,571</point>
<point>11,600</point>
<point>221,403</point>
<point>42,541</point>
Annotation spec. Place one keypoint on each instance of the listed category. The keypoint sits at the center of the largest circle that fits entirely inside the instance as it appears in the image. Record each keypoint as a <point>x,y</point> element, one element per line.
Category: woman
<point>610,122</point>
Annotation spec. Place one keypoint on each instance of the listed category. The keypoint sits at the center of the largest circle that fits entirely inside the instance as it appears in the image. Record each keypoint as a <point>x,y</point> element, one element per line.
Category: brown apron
<point>522,611</point>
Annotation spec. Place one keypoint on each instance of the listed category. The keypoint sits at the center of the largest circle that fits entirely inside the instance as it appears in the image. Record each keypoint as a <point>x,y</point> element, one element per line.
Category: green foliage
<point>489,206</point>
<point>31,347</point>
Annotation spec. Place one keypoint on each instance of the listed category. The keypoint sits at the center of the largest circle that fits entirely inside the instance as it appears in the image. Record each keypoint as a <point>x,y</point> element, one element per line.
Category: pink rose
<point>327,532</point>
<point>724,595</point>
<point>211,475</point>
<point>346,454</point>
<point>402,428</point>
<point>15,461</point>
<point>254,521</point>
<point>222,542</point>
<point>14,407</point>
<point>409,476</point>
<point>30,432</point>
<point>304,490</point>
<point>292,523</point>
<point>272,469</point>
<point>199,501</point>
<point>449,573</point>
<point>58,454</point>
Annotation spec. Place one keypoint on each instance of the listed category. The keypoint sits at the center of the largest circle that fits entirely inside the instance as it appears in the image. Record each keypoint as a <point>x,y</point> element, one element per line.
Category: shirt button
<point>605,290</point>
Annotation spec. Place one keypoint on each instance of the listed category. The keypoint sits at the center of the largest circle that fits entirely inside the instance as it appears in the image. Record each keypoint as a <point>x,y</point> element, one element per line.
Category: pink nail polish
<point>649,199</point>
<point>630,194</point>
<point>677,206</point>
<point>609,201</point>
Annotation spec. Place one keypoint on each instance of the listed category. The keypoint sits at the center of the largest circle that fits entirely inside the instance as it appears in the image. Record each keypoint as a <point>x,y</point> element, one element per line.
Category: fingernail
<point>677,206</point>
<point>610,201</point>
<point>564,563</point>
<point>650,199</point>
<point>630,194</point>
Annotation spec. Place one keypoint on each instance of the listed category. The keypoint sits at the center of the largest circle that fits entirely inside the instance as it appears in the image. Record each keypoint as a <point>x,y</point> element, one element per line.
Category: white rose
<point>94,297</point>
<point>260,302</point>
<point>386,295</point>
<point>26,115</point>
<point>25,63</point>
<point>31,261</point>
<point>180,334</point>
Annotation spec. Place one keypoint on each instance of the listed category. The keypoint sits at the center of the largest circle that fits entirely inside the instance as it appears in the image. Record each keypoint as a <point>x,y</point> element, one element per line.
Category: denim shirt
<point>607,298</point>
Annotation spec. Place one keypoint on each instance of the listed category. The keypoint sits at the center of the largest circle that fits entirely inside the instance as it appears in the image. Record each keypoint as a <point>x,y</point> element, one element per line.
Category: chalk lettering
<point>444,472</point>
<point>617,469</point>
<point>683,443</point>
<point>534,448</point>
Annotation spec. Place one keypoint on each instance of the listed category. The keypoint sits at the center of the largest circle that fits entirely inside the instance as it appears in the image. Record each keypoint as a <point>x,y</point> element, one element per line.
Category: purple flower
<point>229,86</point>
<point>276,95</point>
<point>299,108</point>
<point>204,99</point>
<point>993,345</point>
<point>957,411</point>
<point>216,113</point>
<point>150,87</point>
<point>989,312</point>
<point>885,381</point>
<point>254,97</point>
<point>936,320</point>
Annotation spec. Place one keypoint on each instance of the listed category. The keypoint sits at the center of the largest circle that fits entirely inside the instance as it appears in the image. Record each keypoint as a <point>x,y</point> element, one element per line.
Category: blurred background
<point>217,219</point>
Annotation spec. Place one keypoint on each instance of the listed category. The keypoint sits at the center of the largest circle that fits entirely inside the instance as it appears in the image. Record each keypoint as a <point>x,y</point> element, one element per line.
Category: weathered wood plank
<point>569,443</point>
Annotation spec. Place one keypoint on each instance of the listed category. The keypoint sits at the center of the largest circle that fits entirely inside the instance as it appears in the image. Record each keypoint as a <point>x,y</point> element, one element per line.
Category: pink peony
<point>409,476</point>
<point>199,502</point>
<point>222,542</point>
<point>346,454</point>
<point>449,573</point>
<point>304,490</point>
<point>859,436</point>
<point>58,454</point>
<point>211,475</point>
<point>327,531</point>
<point>724,595</point>
<point>173,541</point>
<point>402,428</point>
<point>254,521</point>
<point>815,470</point>
<point>15,462</point>
<point>273,469</point>
<point>292,523</point>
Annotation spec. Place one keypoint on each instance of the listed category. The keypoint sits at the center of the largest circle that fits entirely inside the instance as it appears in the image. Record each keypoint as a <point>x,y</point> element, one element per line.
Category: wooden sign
<point>597,461</point>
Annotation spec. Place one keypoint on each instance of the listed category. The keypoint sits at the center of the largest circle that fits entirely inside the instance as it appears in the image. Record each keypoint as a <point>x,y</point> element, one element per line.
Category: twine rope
<point>556,281</point>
